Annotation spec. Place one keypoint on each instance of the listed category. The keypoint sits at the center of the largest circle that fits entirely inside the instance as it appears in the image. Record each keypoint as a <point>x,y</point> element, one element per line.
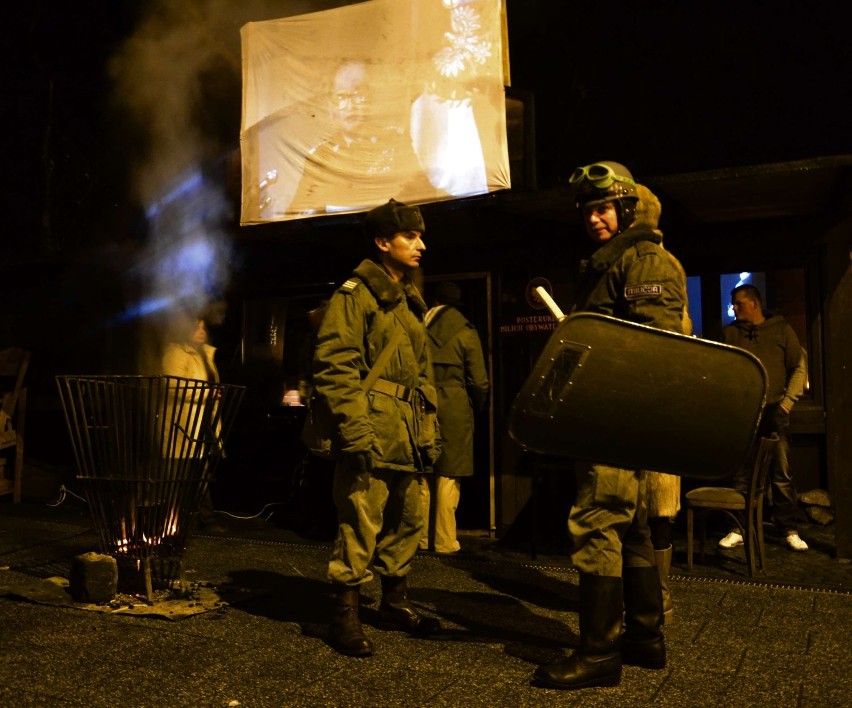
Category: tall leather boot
<point>396,611</point>
<point>663,561</point>
<point>597,661</point>
<point>642,643</point>
<point>345,633</point>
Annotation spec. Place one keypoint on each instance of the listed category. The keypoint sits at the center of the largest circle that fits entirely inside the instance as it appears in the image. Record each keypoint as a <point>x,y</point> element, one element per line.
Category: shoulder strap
<point>383,359</point>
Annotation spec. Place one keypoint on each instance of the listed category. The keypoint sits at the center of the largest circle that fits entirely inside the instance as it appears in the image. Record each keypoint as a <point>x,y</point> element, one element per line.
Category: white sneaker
<point>732,540</point>
<point>795,543</point>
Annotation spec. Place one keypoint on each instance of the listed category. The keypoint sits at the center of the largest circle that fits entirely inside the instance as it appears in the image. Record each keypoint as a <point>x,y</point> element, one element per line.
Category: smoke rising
<point>177,82</point>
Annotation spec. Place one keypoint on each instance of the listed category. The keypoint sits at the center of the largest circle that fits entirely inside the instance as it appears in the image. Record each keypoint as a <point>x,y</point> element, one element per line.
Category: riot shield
<point>629,395</point>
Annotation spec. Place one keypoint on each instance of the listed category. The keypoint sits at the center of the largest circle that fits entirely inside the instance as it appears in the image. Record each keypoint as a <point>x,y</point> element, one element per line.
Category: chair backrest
<point>760,470</point>
<point>13,366</point>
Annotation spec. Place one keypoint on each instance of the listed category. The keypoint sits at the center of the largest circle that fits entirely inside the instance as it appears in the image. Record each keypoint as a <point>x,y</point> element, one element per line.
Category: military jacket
<point>462,382</point>
<point>361,318</point>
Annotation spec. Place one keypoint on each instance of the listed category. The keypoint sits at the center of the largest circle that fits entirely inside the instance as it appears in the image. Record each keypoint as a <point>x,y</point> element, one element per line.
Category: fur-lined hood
<point>648,210</point>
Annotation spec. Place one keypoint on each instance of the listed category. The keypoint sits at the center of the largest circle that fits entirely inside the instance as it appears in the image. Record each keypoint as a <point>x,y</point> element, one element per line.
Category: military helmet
<point>606,181</point>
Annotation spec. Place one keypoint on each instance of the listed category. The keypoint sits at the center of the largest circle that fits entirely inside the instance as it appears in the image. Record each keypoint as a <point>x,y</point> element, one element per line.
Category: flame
<point>126,542</point>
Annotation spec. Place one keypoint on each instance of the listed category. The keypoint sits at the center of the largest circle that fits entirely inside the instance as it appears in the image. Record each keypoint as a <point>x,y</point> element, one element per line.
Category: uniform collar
<point>387,291</point>
<point>603,259</point>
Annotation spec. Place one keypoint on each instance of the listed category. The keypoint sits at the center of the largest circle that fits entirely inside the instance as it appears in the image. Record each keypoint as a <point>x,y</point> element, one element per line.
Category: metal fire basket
<point>146,449</point>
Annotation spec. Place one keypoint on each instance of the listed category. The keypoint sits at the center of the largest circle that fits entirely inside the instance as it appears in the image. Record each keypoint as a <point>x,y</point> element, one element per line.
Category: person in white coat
<point>194,358</point>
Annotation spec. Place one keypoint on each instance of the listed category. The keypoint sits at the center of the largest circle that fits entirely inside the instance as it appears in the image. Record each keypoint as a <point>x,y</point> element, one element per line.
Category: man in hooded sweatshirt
<point>630,276</point>
<point>772,340</point>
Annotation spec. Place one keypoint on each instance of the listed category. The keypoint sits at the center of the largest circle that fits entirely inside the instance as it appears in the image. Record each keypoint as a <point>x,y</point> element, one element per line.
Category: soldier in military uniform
<point>630,276</point>
<point>375,486</point>
<point>462,382</point>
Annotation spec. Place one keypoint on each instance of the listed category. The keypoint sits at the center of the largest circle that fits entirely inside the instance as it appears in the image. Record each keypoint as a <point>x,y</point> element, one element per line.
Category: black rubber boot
<point>597,661</point>
<point>396,612</point>
<point>345,633</point>
<point>642,643</point>
<point>663,561</point>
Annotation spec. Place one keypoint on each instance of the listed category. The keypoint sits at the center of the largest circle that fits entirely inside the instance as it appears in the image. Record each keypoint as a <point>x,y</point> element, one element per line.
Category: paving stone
<point>733,640</point>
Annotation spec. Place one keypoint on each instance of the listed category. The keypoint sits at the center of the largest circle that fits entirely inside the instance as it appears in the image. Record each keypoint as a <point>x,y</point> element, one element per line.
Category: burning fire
<point>128,542</point>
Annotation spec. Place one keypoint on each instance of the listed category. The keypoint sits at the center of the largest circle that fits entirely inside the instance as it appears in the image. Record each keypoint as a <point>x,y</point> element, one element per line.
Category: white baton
<point>549,301</point>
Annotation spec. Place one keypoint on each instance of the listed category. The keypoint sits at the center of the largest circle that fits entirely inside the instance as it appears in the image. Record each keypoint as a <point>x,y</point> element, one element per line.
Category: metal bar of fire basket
<point>66,395</point>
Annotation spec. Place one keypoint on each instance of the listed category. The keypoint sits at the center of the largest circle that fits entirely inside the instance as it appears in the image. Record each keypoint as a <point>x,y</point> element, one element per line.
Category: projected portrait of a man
<point>367,154</point>
<point>346,108</point>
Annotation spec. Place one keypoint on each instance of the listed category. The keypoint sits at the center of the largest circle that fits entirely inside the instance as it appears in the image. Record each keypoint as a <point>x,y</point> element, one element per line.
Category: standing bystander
<point>193,357</point>
<point>462,382</point>
<point>772,340</point>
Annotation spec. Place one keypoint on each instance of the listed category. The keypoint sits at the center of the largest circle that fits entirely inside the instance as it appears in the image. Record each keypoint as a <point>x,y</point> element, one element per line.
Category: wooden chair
<point>13,369</point>
<point>745,510</point>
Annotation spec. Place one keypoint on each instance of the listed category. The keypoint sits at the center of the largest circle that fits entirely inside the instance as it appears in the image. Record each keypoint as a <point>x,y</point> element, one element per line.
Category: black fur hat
<point>393,217</point>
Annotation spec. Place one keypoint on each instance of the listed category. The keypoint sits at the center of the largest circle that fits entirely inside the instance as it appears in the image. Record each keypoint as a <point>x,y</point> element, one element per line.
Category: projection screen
<point>347,108</point>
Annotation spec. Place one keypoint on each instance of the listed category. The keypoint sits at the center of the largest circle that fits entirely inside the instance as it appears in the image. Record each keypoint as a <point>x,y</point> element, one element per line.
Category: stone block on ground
<point>93,578</point>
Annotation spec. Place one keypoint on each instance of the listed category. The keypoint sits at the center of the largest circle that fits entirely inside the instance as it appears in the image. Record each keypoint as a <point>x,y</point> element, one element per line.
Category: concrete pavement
<point>778,639</point>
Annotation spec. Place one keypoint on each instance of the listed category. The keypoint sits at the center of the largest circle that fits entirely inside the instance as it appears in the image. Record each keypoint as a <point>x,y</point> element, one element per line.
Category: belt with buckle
<point>389,388</point>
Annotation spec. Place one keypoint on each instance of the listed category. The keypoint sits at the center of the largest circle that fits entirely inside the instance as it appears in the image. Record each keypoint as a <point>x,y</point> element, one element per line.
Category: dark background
<point>665,87</point>
<point>100,94</point>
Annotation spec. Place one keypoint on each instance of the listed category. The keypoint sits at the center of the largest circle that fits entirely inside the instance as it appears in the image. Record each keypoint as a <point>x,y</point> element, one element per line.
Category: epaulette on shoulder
<point>350,285</point>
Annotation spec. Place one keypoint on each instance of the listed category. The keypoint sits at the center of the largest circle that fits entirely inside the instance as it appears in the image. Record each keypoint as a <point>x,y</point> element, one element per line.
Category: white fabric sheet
<point>347,108</point>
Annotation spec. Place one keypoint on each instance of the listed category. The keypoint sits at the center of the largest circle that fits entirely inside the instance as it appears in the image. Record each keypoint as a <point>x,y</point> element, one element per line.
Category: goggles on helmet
<point>599,175</point>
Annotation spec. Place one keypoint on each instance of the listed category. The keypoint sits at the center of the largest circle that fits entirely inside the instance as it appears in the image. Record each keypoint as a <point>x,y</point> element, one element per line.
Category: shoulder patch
<point>350,285</point>
<point>645,290</point>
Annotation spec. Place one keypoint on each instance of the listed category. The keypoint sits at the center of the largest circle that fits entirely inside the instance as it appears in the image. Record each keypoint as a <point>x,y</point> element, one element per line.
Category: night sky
<point>665,87</point>
<point>671,87</point>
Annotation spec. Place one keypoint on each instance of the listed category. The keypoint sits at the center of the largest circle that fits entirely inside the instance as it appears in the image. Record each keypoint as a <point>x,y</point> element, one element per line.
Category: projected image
<point>367,149</point>
<point>346,108</point>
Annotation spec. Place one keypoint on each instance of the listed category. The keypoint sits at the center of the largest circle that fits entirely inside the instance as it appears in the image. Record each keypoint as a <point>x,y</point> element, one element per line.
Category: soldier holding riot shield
<point>632,277</point>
